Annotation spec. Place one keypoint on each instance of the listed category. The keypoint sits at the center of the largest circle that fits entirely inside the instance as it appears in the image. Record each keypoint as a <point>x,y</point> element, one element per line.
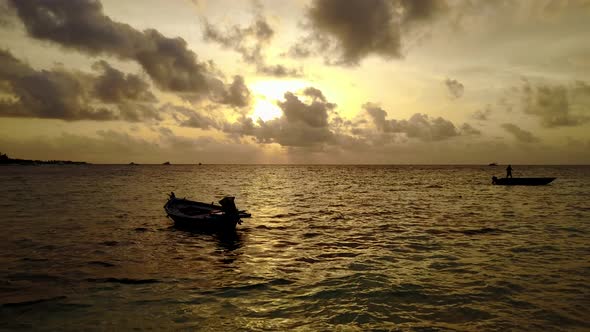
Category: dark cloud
<point>54,94</point>
<point>114,86</point>
<point>291,133</point>
<point>455,87</point>
<point>422,10</point>
<point>314,114</point>
<point>82,25</point>
<point>302,124</point>
<point>558,105</point>
<point>520,134</point>
<point>69,95</point>
<point>236,94</point>
<point>419,126</point>
<point>355,29</point>
<point>250,43</point>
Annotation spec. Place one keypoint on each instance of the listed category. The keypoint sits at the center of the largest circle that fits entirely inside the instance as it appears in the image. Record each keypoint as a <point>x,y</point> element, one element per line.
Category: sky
<point>296,81</point>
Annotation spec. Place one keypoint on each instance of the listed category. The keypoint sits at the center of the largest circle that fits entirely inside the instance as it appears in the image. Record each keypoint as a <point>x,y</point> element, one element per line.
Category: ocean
<point>328,248</point>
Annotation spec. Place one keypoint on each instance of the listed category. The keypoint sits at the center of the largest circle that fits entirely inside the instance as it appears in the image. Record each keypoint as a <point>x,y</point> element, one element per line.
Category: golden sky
<point>296,81</point>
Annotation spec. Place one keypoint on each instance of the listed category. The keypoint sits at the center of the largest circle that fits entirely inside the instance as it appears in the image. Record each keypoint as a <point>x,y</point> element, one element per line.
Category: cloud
<point>557,105</point>
<point>122,147</point>
<point>278,70</point>
<point>53,94</point>
<point>314,114</point>
<point>358,28</point>
<point>304,123</point>
<point>73,95</point>
<point>250,43</point>
<point>310,121</point>
<point>243,126</point>
<point>316,94</point>
<point>355,29</point>
<point>455,87</point>
<point>113,146</point>
<point>295,134</point>
<point>236,94</point>
<point>299,51</point>
<point>419,126</point>
<point>259,32</point>
<point>186,117</point>
<point>422,10</point>
<point>6,15</point>
<point>467,129</point>
<point>114,86</point>
<point>482,115</point>
<point>82,25</point>
<point>520,134</point>
<point>247,41</point>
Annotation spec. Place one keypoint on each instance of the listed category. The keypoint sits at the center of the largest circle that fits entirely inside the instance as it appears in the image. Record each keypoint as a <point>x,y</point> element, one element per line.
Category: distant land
<point>6,160</point>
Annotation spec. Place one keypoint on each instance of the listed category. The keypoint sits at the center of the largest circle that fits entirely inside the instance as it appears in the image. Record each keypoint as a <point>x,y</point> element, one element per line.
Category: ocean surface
<point>328,248</point>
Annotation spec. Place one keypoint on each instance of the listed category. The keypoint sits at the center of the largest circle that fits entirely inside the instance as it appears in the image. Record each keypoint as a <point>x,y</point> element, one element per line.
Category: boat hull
<point>213,224</point>
<point>522,181</point>
<point>202,216</point>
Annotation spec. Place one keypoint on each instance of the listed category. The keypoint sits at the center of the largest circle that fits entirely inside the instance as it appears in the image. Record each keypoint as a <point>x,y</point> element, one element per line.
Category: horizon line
<point>327,164</point>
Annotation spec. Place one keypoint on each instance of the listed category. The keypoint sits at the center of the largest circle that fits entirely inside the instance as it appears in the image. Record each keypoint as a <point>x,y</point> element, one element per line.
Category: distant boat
<point>197,215</point>
<point>166,163</point>
<point>492,164</point>
<point>521,181</point>
<point>132,164</point>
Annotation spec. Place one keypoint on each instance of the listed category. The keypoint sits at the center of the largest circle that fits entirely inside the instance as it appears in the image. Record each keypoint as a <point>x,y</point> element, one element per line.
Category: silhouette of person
<point>509,171</point>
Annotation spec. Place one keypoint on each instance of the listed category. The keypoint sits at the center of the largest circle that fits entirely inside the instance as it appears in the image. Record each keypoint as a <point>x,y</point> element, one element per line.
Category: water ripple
<point>402,248</point>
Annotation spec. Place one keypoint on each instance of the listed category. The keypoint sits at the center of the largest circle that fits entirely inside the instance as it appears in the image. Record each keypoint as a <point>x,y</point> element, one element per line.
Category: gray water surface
<point>417,248</point>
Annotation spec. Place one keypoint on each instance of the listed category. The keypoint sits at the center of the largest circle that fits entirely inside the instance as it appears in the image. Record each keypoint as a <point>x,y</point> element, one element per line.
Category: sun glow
<point>268,92</point>
<point>265,110</point>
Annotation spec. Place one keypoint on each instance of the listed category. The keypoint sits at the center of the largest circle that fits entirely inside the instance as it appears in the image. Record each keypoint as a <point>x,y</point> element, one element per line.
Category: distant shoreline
<point>5,160</point>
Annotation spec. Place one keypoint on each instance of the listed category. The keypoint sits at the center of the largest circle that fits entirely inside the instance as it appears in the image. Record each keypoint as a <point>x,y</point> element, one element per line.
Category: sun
<point>268,92</point>
<point>265,110</point>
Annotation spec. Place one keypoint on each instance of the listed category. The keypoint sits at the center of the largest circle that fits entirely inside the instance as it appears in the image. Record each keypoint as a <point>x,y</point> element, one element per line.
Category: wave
<point>126,281</point>
<point>32,302</point>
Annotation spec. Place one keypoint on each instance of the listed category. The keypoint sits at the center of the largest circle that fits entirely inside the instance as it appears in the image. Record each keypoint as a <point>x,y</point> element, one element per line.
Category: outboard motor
<point>228,205</point>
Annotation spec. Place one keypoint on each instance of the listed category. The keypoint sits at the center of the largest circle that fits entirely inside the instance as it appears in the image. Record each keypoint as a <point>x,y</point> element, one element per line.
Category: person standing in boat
<point>509,171</point>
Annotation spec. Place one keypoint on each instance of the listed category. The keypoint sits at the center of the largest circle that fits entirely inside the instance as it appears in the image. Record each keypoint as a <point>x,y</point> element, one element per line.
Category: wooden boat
<point>191,214</point>
<point>521,181</point>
